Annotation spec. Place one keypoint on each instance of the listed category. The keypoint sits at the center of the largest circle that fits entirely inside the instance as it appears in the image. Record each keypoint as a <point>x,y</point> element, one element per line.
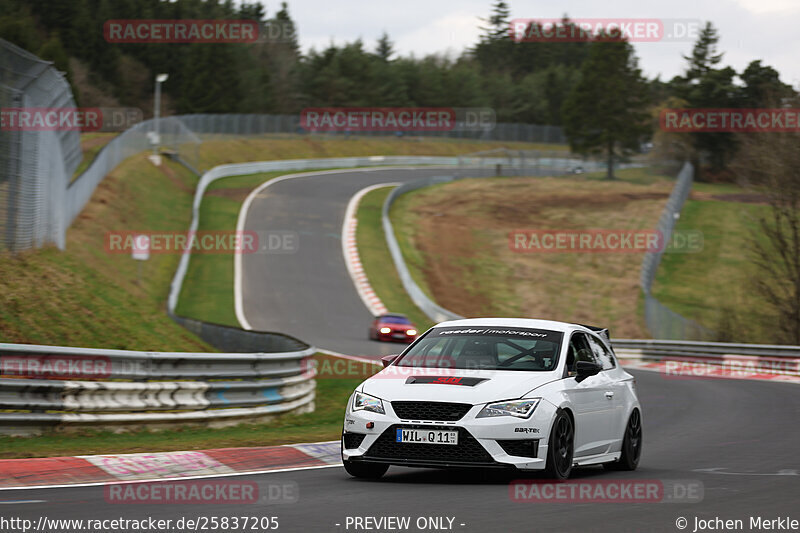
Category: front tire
<point>560,447</point>
<point>631,445</point>
<point>365,470</point>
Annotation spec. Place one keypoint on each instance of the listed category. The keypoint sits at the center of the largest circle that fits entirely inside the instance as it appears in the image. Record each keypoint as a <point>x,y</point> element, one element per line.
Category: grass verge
<point>219,150</point>
<point>713,286</point>
<point>377,261</point>
<point>91,144</point>
<point>88,297</point>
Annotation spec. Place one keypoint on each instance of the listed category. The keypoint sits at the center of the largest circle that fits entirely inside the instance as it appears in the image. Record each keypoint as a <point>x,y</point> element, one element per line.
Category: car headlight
<point>365,402</point>
<point>518,408</point>
<point>386,330</point>
<point>411,332</point>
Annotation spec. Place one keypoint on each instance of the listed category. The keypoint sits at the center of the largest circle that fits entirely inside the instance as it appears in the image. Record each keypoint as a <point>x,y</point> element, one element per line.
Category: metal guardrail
<point>734,358</point>
<point>236,340</point>
<point>705,349</point>
<point>60,387</point>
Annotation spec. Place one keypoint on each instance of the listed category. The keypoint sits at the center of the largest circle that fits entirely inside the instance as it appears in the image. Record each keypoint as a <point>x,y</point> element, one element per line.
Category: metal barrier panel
<point>57,387</point>
<point>237,340</point>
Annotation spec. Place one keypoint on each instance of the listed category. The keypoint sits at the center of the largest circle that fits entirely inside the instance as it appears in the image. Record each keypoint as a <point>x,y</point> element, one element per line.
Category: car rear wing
<point>603,332</point>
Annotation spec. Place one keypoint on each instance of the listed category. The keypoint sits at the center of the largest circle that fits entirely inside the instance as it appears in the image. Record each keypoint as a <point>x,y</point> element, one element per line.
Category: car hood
<point>398,383</point>
<point>395,325</point>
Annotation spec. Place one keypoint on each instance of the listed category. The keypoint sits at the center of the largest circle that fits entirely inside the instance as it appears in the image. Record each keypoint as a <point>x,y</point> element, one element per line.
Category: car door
<point>615,392</point>
<point>592,407</point>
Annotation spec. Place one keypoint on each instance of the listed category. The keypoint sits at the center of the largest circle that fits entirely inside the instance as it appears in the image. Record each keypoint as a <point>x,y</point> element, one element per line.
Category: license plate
<point>433,436</point>
<point>399,335</point>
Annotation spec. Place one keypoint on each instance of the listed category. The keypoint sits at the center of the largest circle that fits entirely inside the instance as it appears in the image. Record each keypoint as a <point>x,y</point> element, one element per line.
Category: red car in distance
<point>392,327</point>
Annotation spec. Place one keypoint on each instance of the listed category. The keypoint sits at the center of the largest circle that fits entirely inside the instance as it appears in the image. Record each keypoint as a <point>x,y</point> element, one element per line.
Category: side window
<point>578,350</point>
<point>601,353</point>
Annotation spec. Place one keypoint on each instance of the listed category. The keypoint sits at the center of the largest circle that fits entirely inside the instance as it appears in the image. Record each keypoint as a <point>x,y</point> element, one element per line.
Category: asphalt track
<point>738,438</point>
<point>746,431</point>
<point>308,293</point>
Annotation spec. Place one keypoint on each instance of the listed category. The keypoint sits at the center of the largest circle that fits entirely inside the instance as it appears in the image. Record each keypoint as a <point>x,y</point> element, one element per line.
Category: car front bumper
<point>396,336</point>
<point>496,442</point>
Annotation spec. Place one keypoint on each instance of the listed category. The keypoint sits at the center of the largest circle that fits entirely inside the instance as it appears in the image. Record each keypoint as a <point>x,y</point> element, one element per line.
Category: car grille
<point>468,449</point>
<point>353,440</point>
<point>432,411</point>
<point>520,447</point>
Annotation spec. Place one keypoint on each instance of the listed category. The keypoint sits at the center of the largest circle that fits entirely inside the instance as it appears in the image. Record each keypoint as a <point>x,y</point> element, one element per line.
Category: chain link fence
<point>39,202</point>
<point>507,162</point>
<point>34,165</point>
<point>174,137</point>
<point>220,126</point>
<point>662,322</point>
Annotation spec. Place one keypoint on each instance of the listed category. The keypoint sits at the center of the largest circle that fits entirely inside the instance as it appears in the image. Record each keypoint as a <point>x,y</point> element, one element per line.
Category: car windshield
<point>485,348</point>
<point>395,320</point>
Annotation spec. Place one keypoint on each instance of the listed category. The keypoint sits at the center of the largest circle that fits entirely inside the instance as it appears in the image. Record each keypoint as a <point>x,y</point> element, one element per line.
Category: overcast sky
<point>749,29</point>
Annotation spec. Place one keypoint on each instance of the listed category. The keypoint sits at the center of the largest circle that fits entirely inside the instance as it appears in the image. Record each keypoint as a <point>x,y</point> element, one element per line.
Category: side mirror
<point>585,369</point>
<point>388,359</point>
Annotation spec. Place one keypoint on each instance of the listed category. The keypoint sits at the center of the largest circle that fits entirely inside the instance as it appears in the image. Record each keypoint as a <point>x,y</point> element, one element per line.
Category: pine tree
<point>705,86</point>
<point>495,50</point>
<point>606,112</point>
<point>385,48</point>
<point>704,54</point>
<point>762,86</point>
<point>498,23</point>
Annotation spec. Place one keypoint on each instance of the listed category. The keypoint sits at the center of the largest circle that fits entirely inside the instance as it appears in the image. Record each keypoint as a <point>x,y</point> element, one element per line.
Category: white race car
<point>496,392</point>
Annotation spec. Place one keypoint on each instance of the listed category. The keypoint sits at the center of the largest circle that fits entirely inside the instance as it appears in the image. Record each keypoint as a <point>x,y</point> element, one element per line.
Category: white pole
<point>160,78</point>
<point>156,113</point>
